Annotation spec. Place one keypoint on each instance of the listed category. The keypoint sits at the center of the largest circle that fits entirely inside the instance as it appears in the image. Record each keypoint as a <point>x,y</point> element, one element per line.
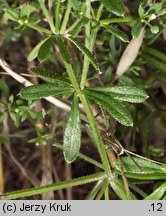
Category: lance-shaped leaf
<point>50,76</point>
<point>115,108</point>
<point>124,93</point>
<point>119,188</point>
<point>77,28</point>
<point>63,50</point>
<point>114,6</point>
<point>44,50</point>
<point>157,193</point>
<point>139,168</point>
<point>84,50</point>
<point>72,136</point>
<point>136,29</point>
<point>43,90</point>
<point>34,53</point>
<point>11,14</point>
<point>118,33</point>
<point>130,54</point>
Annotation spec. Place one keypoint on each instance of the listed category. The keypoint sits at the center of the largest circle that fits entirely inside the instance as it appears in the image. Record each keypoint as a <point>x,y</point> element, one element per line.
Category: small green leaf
<point>118,33</point>
<point>115,108</point>
<point>157,193</point>
<point>50,76</point>
<point>43,90</point>
<point>156,7</point>
<point>136,29</point>
<point>44,51</point>
<point>11,14</point>
<point>77,28</point>
<point>75,4</point>
<point>83,49</point>
<point>72,136</point>
<point>15,117</point>
<point>141,11</point>
<point>114,6</point>
<point>141,169</point>
<point>124,93</point>
<point>63,50</point>
<point>34,53</point>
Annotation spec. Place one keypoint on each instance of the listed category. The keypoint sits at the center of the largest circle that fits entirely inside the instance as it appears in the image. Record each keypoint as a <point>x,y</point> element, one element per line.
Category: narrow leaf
<point>43,90</point>
<point>11,14</point>
<point>119,188</point>
<point>84,50</point>
<point>44,50</point>
<point>158,193</point>
<point>136,29</point>
<point>63,50</point>
<point>118,33</point>
<point>154,63</point>
<point>141,11</point>
<point>77,28</point>
<point>130,54</point>
<point>124,93</point>
<point>114,6</point>
<point>155,52</point>
<point>50,76</point>
<point>141,169</point>
<point>75,4</point>
<point>34,53</point>
<point>72,136</point>
<point>115,108</point>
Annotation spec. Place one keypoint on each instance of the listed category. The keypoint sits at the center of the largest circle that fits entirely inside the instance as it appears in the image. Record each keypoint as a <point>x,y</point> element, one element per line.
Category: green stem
<point>72,77</point>
<point>96,132</point>
<point>89,44</point>
<point>92,121</point>
<point>57,20</point>
<point>66,18</point>
<point>46,14</point>
<point>54,187</point>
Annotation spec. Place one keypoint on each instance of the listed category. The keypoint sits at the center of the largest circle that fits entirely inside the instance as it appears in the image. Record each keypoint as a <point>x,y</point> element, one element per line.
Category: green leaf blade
<point>114,6</point>
<point>158,193</point>
<point>130,94</point>
<point>84,50</point>
<point>44,50</point>
<point>72,136</point>
<point>50,76</point>
<point>34,53</point>
<point>115,108</point>
<point>43,90</point>
<point>136,29</point>
<point>75,4</point>
<point>118,33</point>
<point>11,14</point>
<point>141,169</point>
<point>63,50</point>
<point>119,188</point>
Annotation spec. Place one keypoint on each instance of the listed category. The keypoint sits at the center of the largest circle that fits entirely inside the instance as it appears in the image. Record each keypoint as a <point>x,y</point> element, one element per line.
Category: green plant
<point>111,99</point>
